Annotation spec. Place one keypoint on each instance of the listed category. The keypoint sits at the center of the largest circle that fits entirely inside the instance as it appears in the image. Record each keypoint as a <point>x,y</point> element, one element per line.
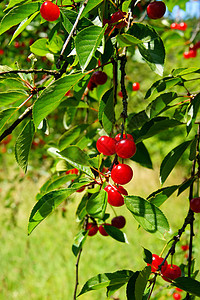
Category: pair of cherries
<point>168,272</point>
<point>118,222</point>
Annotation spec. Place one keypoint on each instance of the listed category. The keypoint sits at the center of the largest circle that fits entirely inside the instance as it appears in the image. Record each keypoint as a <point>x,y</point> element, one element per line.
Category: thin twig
<point>10,129</point>
<point>77,273</point>
<point>73,28</point>
<point>50,72</point>
<point>123,60</point>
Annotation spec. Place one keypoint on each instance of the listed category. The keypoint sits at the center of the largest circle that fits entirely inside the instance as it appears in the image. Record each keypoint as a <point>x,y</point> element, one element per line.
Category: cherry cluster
<point>168,272</point>
<point>156,9</point>
<point>118,222</point>
<point>192,51</point>
<point>97,78</point>
<point>179,26</point>
<point>117,20</point>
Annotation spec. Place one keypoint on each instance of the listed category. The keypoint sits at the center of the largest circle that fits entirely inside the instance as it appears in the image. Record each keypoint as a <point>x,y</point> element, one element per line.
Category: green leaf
<point>46,205</point>
<point>105,280</point>
<point>136,121</point>
<point>150,217</point>
<point>106,113</point>
<point>112,289</point>
<point>160,196</point>
<point>13,3</point>
<point>161,85</point>
<point>40,47</point>
<point>160,103</point>
<point>56,182</point>
<point>17,15</point>
<point>126,40</point>
<point>171,159</point>
<point>187,183</point>
<point>71,135</point>
<point>87,41</point>
<point>192,112</point>
<point>96,205</point>
<point>142,156</point>
<point>23,25</point>
<point>130,289</point>
<point>156,125</point>
<point>90,5</point>
<point>147,256</point>
<point>23,145</point>
<point>185,71</point>
<point>77,158</point>
<point>52,96</point>
<point>141,282</point>
<point>193,149</point>
<point>7,98</point>
<point>79,240</point>
<point>189,285</point>
<point>69,18</point>
<point>81,209</point>
<point>6,116</point>
<point>115,233</point>
<point>103,103</point>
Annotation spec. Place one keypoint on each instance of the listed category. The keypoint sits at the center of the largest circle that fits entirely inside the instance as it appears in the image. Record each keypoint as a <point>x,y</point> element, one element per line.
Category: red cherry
<point>16,44</point>
<point>179,290</point>
<point>115,197</point>
<point>196,46</point>
<point>117,17</point>
<point>186,55</point>
<point>102,230</point>
<point>182,26</point>
<point>108,29</point>
<point>195,205</point>
<point>91,85</point>
<point>125,148</point>
<point>93,229</point>
<point>128,136</point>
<point>81,189</point>
<point>68,94</point>
<point>106,145</point>
<point>156,261</point>
<point>177,296</point>
<point>1,51</point>
<point>120,94</point>
<point>121,174</point>
<point>185,247</point>
<point>135,86</point>
<point>72,171</point>
<point>156,10</point>
<point>7,139</point>
<point>99,77</point>
<point>118,222</point>
<point>193,53</point>
<point>174,26</point>
<point>49,11</point>
<point>171,272</point>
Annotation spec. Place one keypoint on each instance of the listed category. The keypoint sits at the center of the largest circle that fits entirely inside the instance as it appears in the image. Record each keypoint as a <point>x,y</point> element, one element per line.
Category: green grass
<point>42,266</point>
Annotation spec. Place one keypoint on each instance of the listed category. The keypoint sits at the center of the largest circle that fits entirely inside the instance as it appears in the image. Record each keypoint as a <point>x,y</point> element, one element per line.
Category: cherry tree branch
<point>49,72</point>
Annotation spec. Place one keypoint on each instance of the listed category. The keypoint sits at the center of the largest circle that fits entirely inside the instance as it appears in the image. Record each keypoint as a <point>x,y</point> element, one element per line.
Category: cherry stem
<point>124,114</point>
<point>153,285</point>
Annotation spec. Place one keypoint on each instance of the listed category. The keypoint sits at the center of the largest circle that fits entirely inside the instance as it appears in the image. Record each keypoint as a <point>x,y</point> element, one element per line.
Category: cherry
<point>128,136</point>
<point>102,230</point>
<point>193,53</point>
<point>156,261</point>
<point>125,148</point>
<point>156,10</point>
<point>178,289</point>
<point>117,17</point>
<point>81,189</point>
<point>195,46</point>
<point>1,51</point>
<point>106,145</point>
<point>108,29</point>
<point>135,86</point>
<point>91,85</point>
<point>118,222</point>
<point>185,247</point>
<point>195,205</point>
<point>115,197</point>
<point>186,55</point>
<point>177,296</point>
<point>68,94</point>
<point>93,229</point>
<point>174,26</point>
<point>7,139</point>
<point>182,26</point>
<point>99,77</point>
<point>171,272</point>
<point>16,44</point>
<point>49,11</point>
<point>72,171</point>
<point>121,174</point>
<point>120,94</point>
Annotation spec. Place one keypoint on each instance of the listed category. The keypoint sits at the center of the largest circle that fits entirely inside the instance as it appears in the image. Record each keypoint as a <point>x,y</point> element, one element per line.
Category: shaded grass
<point>42,265</point>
